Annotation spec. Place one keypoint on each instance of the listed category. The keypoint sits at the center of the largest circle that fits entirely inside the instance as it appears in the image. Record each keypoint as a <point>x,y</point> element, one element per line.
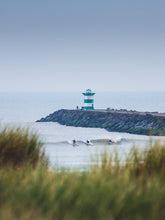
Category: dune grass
<point>110,191</point>
<point>20,147</point>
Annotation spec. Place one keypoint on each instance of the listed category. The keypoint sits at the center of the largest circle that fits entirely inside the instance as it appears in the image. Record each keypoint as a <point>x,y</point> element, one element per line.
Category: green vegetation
<point>20,147</point>
<point>110,191</point>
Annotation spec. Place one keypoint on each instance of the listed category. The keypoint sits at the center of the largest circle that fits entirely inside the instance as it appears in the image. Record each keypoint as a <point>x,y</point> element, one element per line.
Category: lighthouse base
<point>88,108</point>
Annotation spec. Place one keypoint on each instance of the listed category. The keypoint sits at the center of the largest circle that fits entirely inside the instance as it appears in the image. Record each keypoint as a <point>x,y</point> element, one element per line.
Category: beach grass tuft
<point>20,147</point>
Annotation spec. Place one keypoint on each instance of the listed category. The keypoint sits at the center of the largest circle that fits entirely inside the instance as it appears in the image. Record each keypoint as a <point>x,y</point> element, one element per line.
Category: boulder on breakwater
<point>113,120</point>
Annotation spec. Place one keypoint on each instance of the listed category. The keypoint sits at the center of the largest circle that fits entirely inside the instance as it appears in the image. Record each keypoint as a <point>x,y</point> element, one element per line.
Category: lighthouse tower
<point>88,99</point>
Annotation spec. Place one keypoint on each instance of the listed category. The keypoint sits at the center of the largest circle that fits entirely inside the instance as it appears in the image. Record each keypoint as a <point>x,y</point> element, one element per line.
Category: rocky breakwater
<point>114,120</point>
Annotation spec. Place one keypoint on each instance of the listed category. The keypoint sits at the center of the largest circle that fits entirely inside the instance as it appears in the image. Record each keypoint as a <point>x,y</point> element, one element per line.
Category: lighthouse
<point>88,99</point>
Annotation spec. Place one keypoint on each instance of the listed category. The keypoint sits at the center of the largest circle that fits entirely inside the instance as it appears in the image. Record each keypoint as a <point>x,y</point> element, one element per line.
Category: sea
<point>24,108</point>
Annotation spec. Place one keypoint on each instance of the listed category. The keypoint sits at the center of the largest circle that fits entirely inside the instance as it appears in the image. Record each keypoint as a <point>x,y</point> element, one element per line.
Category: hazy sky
<point>71,45</point>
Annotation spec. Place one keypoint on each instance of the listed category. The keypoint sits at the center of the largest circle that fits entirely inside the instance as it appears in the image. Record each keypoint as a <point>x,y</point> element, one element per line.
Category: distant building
<point>88,99</point>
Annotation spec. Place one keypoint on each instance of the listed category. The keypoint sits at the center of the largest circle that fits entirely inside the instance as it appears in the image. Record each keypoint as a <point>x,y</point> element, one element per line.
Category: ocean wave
<point>91,142</point>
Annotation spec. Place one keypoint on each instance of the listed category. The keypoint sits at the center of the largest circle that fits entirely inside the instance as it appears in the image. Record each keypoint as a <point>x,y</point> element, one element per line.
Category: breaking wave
<point>91,142</point>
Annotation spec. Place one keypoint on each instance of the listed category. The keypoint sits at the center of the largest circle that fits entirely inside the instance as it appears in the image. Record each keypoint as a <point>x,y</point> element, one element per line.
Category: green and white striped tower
<point>88,99</point>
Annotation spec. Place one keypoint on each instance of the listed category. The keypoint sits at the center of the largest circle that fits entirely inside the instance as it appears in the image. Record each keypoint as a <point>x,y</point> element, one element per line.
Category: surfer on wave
<point>74,143</point>
<point>87,142</point>
<point>110,141</point>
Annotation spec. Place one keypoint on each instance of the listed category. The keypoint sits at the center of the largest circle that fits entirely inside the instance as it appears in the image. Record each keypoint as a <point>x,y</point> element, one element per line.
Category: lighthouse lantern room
<point>88,99</point>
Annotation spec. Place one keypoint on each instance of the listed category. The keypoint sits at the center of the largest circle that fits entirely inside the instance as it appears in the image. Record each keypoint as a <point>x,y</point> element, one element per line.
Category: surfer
<point>74,142</point>
<point>87,142</point>
<point>110,141</point>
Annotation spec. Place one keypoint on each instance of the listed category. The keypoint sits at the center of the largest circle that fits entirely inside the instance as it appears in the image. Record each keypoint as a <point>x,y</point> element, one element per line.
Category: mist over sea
<point>25,108</point>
